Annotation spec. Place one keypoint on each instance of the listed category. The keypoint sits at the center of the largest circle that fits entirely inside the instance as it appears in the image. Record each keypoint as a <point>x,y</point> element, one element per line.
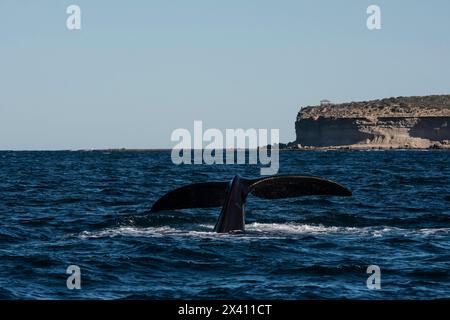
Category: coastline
<point>286,149</point>
<point>365,148</point>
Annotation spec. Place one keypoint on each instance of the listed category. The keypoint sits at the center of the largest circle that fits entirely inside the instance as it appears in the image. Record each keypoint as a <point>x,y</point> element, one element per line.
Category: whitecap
<point>258,230</point>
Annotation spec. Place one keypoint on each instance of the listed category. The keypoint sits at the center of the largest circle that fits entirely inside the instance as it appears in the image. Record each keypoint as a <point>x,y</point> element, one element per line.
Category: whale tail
<point>289,186</point>
<point>213,194</point>
<point>196,195</point>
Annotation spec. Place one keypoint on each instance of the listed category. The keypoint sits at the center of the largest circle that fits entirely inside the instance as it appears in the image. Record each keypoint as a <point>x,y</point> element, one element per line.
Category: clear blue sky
<point>140,69</point>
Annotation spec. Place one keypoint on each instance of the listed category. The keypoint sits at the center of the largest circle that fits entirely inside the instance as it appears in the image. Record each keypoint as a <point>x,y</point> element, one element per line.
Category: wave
<point>263,230</point>
<point>128,231</point>
<point>294,228</point>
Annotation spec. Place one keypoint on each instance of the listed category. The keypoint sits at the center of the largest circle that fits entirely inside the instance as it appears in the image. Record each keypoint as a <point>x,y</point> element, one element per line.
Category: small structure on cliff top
<point>325,102</point>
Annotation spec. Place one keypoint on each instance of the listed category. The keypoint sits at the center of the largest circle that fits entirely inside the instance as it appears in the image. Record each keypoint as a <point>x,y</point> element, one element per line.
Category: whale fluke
<point>196,195</point>
<point>231,196</point>
<point>289,186</point>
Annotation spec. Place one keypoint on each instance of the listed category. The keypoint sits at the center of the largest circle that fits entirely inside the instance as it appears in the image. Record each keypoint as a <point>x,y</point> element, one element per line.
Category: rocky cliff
<point>403,122</point>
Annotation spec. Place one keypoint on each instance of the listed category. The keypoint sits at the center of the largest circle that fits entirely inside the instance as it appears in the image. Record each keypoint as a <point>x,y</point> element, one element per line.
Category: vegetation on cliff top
<point>425,106</point>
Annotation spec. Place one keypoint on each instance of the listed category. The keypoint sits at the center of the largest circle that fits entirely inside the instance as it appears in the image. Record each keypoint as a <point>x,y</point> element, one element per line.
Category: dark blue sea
<point>91,209</point>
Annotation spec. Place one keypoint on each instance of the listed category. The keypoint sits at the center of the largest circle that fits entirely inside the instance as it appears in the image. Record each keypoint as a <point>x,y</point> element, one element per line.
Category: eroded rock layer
<point>403,122</point>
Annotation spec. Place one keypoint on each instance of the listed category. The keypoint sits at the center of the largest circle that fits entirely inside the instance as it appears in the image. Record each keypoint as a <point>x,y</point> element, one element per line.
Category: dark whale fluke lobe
<point>231,196</point>
<point>196,195</point>
<point>289,186</point>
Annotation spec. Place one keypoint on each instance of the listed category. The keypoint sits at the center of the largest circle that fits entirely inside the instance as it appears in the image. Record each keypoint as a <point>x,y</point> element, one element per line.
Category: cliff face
<point>404,122</point>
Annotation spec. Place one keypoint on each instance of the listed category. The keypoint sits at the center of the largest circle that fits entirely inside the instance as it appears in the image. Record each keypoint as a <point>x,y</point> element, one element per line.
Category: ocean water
<point>91,209</point>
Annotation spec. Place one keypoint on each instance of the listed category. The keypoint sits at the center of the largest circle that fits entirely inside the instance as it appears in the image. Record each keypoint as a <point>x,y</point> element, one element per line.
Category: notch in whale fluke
<point>231,196</point>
